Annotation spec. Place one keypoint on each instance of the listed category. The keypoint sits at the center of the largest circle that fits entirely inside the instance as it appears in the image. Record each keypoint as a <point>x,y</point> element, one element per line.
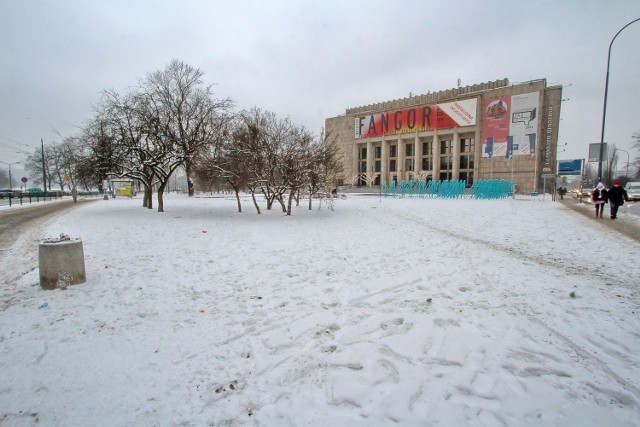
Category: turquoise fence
<point>482,189</point>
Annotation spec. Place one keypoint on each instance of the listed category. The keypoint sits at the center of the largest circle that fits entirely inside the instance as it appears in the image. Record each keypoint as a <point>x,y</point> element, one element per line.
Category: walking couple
<point>615,197</point>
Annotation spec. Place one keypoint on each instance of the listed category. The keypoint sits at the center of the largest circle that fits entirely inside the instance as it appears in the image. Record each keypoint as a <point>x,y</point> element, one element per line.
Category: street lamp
<point>626,175</point>
<point>604,108</point>
<point>10,164</point>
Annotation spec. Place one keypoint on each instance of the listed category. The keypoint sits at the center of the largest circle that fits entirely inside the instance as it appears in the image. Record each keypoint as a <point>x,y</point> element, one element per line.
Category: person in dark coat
<point>599,198</point>
<point>562,191</point>
<point>617,195</point>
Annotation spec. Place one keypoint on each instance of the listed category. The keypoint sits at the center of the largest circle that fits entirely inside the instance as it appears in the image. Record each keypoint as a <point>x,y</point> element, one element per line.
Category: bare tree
<point>324,167</point>
<point>225,162</point>
<point>636,162</point>
<point>189,117</point>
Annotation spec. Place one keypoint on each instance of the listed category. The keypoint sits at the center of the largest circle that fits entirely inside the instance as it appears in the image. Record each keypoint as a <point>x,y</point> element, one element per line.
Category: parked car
<point>33,192</point>
<point>6,192</point>
<point>633,190</point>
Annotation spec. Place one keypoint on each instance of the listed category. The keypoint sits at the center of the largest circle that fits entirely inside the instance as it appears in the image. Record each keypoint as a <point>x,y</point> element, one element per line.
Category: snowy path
<point>404,312</point>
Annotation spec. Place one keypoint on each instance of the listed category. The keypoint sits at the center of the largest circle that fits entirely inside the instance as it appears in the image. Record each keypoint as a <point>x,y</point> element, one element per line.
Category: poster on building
<point>446,115</point>
<point>510,125</point>
<point>496,126</point>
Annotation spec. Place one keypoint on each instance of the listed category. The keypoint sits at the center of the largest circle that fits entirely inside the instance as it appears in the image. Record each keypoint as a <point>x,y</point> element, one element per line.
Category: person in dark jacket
<point>599,198</point>
<point>617,195</point>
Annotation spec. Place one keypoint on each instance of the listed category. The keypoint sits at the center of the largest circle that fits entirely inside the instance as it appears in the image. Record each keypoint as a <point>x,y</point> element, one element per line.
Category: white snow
<point>400,312</point>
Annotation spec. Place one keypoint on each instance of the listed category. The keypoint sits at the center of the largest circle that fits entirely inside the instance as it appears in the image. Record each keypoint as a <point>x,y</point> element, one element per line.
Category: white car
<point>633,190</point>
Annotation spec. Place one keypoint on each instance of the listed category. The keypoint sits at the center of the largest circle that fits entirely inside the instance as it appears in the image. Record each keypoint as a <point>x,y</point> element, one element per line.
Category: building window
<point>445,163</point>
<point>408,164</point>
<point>445,147</point>
<point>464,162</point>
<point>427,163</point>
<point>362,167</point>
<point>445,176</point>
<point>378,152</point>
<point>427,156</point>
<point>363,152</point>
<point>467,145</point>
<point>378,164</point>
<point>392,165</point>
<point>408,150</point>
<point>467,177</point>
<point>393,151</point>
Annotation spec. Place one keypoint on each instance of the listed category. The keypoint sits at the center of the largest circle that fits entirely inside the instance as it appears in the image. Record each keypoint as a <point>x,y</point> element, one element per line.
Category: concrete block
<point>61,264</point>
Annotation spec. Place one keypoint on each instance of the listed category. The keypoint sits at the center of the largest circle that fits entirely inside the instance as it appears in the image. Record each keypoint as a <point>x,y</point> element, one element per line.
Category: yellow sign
<point>122,188</point>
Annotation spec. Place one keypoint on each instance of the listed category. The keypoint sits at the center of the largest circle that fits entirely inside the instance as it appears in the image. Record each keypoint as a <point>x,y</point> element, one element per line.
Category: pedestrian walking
<point>562,191</point>
<point>616,195</point>
<point>599,198</point>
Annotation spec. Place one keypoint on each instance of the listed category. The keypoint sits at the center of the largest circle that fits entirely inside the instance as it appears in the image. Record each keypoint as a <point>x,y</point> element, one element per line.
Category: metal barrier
<point>482,189</point>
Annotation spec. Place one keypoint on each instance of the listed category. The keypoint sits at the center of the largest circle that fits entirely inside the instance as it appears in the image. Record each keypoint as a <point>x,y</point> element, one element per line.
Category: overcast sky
<point>310,60</point>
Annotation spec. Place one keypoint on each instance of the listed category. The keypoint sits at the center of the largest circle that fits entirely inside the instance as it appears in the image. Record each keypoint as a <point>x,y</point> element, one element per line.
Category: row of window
<point>446,164</point>
<point>467,145</point>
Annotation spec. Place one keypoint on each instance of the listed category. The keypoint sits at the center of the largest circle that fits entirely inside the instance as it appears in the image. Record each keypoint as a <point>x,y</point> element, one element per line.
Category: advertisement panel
<point>510,125</point>
<point>570,167</point>
<point>122,188</point>
<point>416,119</point>
<point>594,152</point>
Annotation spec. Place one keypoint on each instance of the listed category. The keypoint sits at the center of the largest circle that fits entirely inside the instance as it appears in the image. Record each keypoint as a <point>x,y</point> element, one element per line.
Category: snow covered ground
<point>383,312</point>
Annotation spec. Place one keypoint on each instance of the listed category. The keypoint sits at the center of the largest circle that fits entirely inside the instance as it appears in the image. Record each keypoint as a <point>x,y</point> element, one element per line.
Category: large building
<point>493,130</point>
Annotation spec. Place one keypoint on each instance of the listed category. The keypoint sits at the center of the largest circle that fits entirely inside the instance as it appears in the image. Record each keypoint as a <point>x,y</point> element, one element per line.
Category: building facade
<point>493,130</point>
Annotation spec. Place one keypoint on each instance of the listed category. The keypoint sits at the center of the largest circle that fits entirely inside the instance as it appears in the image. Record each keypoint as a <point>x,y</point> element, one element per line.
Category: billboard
<point>123,188</point>
<point>594,152</point>
<point>511,125</point>
<point>570,167</point>
<point>443,115</point>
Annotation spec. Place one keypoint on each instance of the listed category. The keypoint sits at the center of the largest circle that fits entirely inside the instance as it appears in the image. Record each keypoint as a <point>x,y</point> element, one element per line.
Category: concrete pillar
<point>370,168</point>
<point>384,160</point>
<point>436,156</point>
<point>455,156</point>
<point>417,154</point>
<point>61,264</point>
<point>401,157</point>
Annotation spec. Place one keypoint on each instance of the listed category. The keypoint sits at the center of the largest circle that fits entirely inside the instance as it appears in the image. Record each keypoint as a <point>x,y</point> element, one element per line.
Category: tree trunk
<point>238,199</point>
<point>147,201</point>
<point>160,195</point>
<point>290,202</point>
<point>282,204</point>
<point>310,199</point>
<point>187,171</point>
<point>255,202</point>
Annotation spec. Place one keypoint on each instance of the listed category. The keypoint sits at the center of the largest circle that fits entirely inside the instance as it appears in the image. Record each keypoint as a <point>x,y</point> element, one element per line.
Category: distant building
<point>493,130</point>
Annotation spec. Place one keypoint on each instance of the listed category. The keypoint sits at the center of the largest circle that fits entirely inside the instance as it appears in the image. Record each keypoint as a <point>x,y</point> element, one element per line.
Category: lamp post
<point>626,175</point>
<point>10,164</point>
<point>604,108</point>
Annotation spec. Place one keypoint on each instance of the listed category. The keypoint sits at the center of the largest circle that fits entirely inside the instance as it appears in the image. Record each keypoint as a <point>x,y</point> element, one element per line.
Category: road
<point>14,220</point>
